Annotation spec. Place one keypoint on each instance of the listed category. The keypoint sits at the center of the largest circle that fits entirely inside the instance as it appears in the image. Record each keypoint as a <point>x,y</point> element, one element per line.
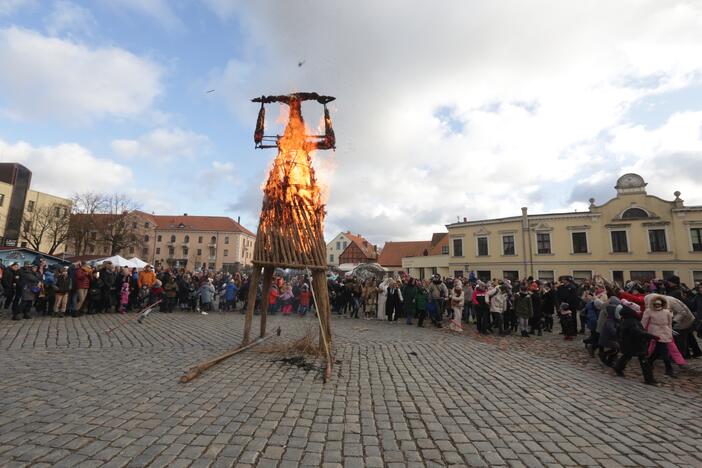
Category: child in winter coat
<point>568,322</point>
<point>633,341</point>
<point>457,300</point>
<point>658,320</point>
<point>286,299</point>
<point>524,309</point>
<point>304,299</point>
<point>124,298</point>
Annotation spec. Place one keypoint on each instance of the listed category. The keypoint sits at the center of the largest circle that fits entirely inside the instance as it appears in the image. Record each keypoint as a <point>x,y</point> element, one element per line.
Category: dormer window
<point>181,226</point>
<point>633,213</point>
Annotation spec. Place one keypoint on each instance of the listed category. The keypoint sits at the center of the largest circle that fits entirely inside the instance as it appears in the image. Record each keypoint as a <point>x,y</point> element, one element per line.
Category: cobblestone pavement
<point>73,395</point>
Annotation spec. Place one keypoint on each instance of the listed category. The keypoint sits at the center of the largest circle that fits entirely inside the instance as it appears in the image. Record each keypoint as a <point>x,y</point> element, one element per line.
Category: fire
<point>290,226</point>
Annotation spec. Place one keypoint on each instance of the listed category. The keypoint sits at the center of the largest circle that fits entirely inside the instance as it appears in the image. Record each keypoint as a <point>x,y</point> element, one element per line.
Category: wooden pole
<point>319,282</point>
<point>203,366</point>
<point>253,287</point>
<point>267,280</point>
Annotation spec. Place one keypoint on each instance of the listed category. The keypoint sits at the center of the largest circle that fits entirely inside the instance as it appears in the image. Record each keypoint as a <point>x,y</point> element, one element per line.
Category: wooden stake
<point>267,280</point>
<point>253,288</point>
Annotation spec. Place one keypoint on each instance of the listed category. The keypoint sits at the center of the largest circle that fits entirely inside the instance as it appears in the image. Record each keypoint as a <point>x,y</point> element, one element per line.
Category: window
<point>697,277</point>
<point>543,243</point>
<point>444,250</point>
<point>2,199</point>
<point>199,239</point>
<point>618,277</point>
<point>667,274</point>
<point>145,251</point>
<point>458,274</point>
<point>226,239</point>
<point>158,250</point>
<point>656,238</point>
<point>579,242</point>
<point>338,245</point>
<point>171,251</point>
<point>159,238</point>
<point>131,250</point>
<point>483,275</point>
<point>147,225</point>
<point>345,244</point>
<point>434,270</point>
<point>199,252</point>
<point>634,213</point>
<point>457,247</point>
<point>212,252</point>
<point>582,275</point>
<point>146,238</point>
<point>185,251</point>
<point>213,240</point>
<point>30,206</point>
<point>546,275</point>
<point>642,275</point>
<point>511,275</point>
<point>173,238</point>
<point>619,241</point>
<point>27,226</point>
<point>508,245</point>
<point>134,225</point>
<point>695,235</point>
<point>23,244</point>
<point>331,258</point>
<point>226,252</point>
<point>186,239</point>
<point>482,246</point>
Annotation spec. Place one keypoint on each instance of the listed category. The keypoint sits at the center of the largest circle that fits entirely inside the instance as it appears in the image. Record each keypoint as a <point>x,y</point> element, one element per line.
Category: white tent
<point>117,261</point>
<point>137,262</point>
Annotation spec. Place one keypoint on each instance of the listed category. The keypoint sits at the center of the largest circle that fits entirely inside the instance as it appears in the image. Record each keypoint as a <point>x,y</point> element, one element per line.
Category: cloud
<point>224,9</point>
<point>158,10</point>
<point>67,168</point>
<point>483,115</point>
<point>63,79</point>
<point>9,7</point>
<point>67,17</point>
<point>218,173</point>
<point>163,144</point>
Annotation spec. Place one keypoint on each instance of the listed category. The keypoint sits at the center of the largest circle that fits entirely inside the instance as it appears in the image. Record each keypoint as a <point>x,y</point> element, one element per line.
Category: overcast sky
<point>444,109</point>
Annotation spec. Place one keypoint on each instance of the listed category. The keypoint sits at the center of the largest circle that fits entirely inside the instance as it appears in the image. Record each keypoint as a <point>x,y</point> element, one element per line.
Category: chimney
<point>465,220</point>
<point>238,219</point>
<point>185,214</point>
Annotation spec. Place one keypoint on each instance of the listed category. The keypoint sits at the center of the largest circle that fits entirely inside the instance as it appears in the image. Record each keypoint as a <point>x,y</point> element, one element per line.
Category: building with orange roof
<point>360,249</point>
<point>181,241</point>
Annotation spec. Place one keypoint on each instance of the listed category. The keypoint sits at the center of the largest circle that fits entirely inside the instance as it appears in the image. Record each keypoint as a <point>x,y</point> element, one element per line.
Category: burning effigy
<point>290,229</point>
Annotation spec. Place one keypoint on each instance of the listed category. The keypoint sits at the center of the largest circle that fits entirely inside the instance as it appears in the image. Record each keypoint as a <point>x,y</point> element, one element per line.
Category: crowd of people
<point>651,320</point>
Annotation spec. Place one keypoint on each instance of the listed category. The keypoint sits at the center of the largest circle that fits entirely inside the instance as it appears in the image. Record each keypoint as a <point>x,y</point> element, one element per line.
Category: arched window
<point>146,238</point>
<point>187,239</point>
<point>634,213</point>
<point>213,240</point>
<point>173,238</point>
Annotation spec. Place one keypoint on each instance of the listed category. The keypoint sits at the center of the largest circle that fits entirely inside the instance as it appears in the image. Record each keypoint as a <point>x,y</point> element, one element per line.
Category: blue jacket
<point>231,291</point>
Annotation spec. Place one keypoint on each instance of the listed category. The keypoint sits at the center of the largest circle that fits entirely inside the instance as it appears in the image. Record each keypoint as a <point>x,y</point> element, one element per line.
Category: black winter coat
<point>632,337</point>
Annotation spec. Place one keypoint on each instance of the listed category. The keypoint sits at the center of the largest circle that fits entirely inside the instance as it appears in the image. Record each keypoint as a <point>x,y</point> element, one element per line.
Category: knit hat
<point>631,305</point>
<point>674,279</point>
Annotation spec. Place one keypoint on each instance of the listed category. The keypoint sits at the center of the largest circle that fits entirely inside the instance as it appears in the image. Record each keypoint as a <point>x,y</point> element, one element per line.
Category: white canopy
<point>137,262</point>
<point>117,261</point>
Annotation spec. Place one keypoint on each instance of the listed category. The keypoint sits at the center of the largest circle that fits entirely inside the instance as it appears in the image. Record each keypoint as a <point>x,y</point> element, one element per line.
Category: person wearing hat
<point>30,280</point>
<point>633,341</point>
<point>672,286</point>
<point>63,287</point>
<point>83,274</point>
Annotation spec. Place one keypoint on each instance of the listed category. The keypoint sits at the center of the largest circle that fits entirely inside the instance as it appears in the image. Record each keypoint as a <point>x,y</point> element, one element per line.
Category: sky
<point>444,110</point>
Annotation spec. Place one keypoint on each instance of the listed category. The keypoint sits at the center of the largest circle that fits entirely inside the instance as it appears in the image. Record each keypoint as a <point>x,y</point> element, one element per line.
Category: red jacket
<point>638,299</point>
<point>82,279</point>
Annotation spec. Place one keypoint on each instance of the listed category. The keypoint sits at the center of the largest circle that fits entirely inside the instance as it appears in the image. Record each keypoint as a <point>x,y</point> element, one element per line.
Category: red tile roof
<point>366,247</point>
<point>394,252</point>
<point>200,223</point>
<point>438,241</point>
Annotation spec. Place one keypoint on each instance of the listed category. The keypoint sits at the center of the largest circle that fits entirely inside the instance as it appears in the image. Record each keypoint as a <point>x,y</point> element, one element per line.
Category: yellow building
<point>29,218</point>
<point>632,236</point>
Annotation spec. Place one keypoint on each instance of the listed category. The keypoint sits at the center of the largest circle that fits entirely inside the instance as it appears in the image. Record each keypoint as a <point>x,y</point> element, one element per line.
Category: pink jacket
<point>659,323</point>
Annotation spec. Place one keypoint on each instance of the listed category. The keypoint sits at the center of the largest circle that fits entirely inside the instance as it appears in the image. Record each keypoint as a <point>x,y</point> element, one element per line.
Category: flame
<point>292,197</point>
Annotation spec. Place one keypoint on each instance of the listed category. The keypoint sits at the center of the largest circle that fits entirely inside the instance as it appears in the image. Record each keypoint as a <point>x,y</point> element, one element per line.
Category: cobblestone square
<point>400,396</point>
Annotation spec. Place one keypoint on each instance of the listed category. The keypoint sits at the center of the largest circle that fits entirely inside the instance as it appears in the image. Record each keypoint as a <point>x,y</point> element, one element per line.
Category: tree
<point>45,228</point>
<point>101,219</point>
